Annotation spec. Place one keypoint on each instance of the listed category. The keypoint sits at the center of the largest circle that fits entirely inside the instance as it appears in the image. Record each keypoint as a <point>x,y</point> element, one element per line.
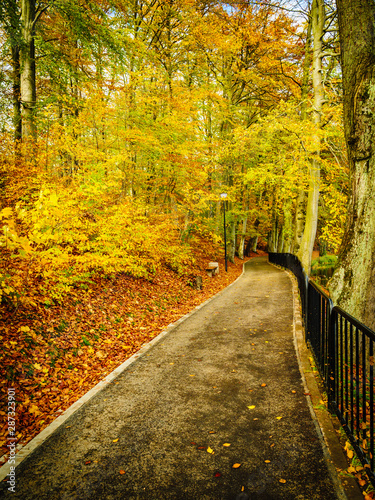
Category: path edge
<point>40,438</point>
<point>346,487</point>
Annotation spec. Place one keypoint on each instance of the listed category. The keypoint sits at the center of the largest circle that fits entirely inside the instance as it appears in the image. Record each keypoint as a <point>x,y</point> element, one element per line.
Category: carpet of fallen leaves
<point>52,356</point>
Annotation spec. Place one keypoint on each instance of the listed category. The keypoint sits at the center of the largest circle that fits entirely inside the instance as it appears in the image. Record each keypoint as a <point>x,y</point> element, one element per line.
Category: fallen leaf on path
<point>267,461</point>
<point>235,466</point>
<point>279,418</point>
<point>282,481</point>
<point>115,440</point>
<point>210,450</point>
<point>264,385</point>
<point>122,472</point>
<point>251,407</point>
<point>226,444</point>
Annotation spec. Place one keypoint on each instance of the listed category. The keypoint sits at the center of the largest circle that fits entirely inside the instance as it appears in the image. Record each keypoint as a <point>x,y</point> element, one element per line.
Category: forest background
<point>121,123</point>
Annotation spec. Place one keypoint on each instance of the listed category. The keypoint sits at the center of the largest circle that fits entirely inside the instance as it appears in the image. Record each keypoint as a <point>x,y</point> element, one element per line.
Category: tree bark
<point>307,244</point>
<point>27,80</point>
<point>353,284</point>
<point>16,97</point>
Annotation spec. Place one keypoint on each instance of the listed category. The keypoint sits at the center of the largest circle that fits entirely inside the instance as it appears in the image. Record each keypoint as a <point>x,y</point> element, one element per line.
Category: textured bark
<point>242,235</point>
<point>17,120</point>
<point>307,243</point>
<point>287,228</point>
<point>28,87</point>
<point>274,233</point>
<point>353,283</point>
<point>232,240</point>
<point>299,221</point>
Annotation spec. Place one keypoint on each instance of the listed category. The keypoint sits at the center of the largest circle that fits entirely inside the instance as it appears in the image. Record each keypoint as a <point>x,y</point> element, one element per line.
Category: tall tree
<point>353,284</point>
<point>27,60</point>
<point>311,222</point>
<point>10,19</point>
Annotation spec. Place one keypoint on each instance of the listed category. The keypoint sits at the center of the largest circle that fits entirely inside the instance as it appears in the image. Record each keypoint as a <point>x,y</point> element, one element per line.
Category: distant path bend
<point>227,375</point>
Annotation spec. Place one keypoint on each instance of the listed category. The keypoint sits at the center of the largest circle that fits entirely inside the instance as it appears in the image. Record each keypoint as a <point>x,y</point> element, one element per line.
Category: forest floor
<point>54,355</point>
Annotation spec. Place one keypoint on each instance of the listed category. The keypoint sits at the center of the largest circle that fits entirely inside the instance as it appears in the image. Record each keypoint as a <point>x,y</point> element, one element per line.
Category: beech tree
<point>353,284</point>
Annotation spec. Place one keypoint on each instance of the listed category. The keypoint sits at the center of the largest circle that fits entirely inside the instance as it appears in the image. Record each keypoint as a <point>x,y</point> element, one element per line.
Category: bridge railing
<point>343,349</point>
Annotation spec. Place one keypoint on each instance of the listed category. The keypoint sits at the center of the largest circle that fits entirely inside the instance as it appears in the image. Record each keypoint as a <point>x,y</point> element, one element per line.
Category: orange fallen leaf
<point>122,472</point>
<point>115,440</point>
<point>235,466</point>
<point>226,444</point>
<point>264,385</point>
<point>282,481</point>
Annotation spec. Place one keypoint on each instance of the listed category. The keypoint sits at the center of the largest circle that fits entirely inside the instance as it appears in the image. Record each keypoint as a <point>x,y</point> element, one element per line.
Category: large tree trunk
<point>28,88</point>
<point>242,235</point>
<point>300,208</point>
<point>17,120</point>
<point>307,244</point>
<point>353,284</point>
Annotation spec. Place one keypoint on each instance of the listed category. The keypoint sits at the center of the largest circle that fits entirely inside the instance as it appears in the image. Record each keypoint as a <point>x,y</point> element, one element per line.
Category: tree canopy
<point>123,121</point>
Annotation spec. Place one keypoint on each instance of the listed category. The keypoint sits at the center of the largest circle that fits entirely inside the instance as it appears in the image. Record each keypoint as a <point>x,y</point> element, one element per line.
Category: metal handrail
<point>343,349</point>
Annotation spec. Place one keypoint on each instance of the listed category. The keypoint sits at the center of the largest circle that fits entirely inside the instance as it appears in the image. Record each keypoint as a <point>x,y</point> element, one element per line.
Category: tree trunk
<point>300,209</point>
<point>28,88</point>
<point>353,284</point>
<point>273,235</point>
<point>241,244</point>
<point>17,120</point>
<point>307,244</point>
<point>299,220</point>
<point>232,240</point>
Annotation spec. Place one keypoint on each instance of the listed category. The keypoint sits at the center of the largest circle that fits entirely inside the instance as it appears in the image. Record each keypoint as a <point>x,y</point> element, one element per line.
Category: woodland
<point>121,124</point>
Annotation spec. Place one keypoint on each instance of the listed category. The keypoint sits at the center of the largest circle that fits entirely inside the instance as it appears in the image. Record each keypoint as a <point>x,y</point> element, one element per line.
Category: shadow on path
<point>227,375</point>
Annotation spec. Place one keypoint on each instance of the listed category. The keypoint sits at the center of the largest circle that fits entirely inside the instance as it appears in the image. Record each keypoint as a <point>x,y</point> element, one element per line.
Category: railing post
<point>306,318</point>
<point>332,335</point>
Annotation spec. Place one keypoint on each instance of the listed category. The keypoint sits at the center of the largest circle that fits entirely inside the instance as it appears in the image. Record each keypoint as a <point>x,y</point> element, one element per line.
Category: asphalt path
<point>216,408</point>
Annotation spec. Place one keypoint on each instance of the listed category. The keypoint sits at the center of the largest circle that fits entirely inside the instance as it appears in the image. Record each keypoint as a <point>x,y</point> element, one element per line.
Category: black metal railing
<point>319,307</point>
<point>352,382</point>
<point>343,349</point>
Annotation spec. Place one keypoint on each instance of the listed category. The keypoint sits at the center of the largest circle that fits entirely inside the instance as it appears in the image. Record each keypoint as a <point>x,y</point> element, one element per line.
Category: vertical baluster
<point>364,383</point>
<point>351,380</point>
<point>371,408</point>
<point>341,406</point>
<point>346,366</point>
<point>357,387</point>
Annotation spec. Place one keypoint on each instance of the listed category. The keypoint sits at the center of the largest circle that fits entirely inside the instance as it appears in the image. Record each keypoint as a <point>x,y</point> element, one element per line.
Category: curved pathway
<point>216,407</point>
